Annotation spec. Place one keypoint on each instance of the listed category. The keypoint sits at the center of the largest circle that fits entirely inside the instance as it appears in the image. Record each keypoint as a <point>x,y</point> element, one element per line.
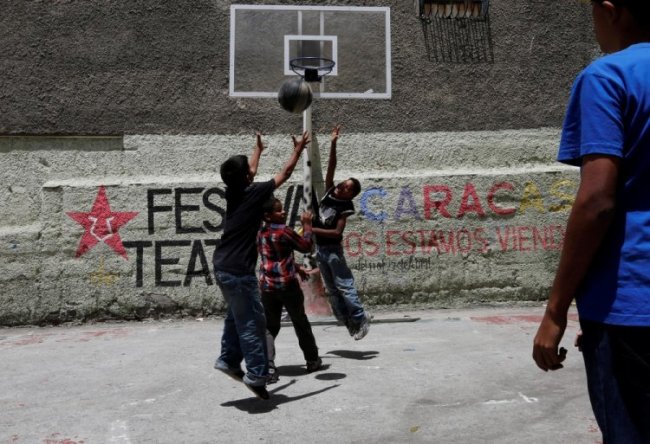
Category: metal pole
<point>306,160</point>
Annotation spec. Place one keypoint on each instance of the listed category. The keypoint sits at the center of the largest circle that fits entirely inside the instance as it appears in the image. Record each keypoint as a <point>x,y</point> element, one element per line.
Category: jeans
<point>294,300</point>
<point>339,283</point>
<point>244,327</point>
<point>617,361</point>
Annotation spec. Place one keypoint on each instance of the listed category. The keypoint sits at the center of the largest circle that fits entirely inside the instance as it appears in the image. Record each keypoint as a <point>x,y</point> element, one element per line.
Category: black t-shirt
<point>329,210</point>
<point>237,252</point>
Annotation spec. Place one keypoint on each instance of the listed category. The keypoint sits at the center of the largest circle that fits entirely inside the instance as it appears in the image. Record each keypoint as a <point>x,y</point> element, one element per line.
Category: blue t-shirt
<point>609,114</point>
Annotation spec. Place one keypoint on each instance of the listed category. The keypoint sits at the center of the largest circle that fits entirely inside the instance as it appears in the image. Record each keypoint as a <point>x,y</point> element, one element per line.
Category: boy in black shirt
<point>331,215</point>
<point>234,265</point>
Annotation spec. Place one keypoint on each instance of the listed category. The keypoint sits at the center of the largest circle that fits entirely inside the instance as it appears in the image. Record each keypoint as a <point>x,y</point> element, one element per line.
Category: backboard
<point>264,38</point>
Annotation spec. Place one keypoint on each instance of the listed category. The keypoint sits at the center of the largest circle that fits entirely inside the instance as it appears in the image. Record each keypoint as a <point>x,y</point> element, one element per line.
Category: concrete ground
<point>453,376</point>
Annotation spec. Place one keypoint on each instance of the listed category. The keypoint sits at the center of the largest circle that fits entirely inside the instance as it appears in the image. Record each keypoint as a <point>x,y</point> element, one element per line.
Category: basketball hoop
<point>312,69</point>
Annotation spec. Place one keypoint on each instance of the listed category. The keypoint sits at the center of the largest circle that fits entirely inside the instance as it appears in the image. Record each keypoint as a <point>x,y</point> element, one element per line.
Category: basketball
<point>295,95</point>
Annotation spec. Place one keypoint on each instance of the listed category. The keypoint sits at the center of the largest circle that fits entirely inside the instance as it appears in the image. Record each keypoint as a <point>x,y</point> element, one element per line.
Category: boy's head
<point>620,23</point>
<point>273,211</point>
<point>640,11</point>
<point>235,172</point>
<point>348,189</point>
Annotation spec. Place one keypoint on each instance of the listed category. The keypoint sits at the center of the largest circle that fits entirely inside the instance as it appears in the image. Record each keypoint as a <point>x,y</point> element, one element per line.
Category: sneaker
<point>274,375</point>
<point>235,373</point>
<point>259,390</point>
<point>312,366</point>
<point>363,329</point>
<point>352,329</point>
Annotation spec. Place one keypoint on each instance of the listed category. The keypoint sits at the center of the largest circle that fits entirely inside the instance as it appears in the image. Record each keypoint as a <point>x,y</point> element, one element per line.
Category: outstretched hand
<point>258,141</point>
<point>299,144</point>
<point>335,133</point>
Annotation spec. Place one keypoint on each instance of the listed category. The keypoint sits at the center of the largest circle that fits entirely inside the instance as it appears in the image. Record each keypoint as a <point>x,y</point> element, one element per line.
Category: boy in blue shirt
<point>605,261</point>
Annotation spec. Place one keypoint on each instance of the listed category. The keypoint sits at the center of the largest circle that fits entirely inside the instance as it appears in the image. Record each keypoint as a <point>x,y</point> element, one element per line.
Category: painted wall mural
<point>397,228</point>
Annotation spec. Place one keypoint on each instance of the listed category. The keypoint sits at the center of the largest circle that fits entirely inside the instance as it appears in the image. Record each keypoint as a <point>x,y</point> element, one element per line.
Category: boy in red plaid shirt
<point>279,284</point>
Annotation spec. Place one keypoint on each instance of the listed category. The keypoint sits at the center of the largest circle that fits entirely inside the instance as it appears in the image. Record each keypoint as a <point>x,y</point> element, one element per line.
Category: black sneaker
<point>235,373</point>
<point>259,390</point>
<point>312,366</point>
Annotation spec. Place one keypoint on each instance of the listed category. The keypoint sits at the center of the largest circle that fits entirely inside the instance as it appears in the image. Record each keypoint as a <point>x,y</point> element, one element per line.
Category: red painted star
<point>101,224</point>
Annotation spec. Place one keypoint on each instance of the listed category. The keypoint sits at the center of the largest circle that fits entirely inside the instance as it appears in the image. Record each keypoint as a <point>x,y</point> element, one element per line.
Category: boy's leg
<point>242,295</point>
<point>344,282</point>
<point>604,388</point>
<point>231,354</point>
<point>339,308</point>
<point>632,368</point>
<point>230,357</point>
<point>273,313</point>
<point>294,300</point>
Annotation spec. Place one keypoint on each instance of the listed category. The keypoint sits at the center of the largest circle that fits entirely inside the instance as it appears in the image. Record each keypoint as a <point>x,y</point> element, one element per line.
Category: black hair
<point>639,9</point>
<point>356,187</point>
<point>234,172</point>
<point>267,206</point>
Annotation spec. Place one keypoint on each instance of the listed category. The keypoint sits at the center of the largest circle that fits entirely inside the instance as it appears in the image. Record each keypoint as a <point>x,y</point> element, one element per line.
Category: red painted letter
<point>439,204</point>
<point>501,211</point>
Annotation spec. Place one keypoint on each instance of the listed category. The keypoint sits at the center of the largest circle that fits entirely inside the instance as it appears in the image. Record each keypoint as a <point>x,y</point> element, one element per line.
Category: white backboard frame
<point>323,94</point>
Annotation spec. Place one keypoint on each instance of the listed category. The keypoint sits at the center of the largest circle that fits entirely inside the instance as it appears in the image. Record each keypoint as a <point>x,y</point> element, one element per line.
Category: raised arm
<point>298,146</point>
<point>331,164</point>
<point>588,223</point>
<point>302,243</point>
<point>254,161</point>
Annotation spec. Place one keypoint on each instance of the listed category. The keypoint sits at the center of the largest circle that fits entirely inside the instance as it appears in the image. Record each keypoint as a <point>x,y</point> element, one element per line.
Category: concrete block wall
<point>125,106</point>
<point>441,220</point>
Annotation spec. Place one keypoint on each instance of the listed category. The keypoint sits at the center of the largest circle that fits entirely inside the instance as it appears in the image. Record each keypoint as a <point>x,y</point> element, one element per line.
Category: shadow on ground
<point>354,354</point>
<point>255,405</point>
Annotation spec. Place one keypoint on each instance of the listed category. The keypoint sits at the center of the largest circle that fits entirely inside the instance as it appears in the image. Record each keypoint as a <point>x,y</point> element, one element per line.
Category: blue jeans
<point>244,330</point>
<point>617,361</point>
<point>339,283</point>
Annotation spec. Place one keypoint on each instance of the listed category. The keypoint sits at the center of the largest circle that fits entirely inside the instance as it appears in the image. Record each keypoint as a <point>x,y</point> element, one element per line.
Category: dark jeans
<point>617,360</point>
<point>244,327</point>
<point>339,282</point>
<point>293,299</point>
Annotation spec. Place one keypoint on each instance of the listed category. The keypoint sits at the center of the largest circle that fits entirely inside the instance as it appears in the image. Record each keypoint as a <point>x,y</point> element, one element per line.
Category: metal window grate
<point>456,31</point>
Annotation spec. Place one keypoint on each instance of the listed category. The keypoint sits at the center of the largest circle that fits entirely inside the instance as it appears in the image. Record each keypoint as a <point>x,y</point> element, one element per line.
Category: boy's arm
<point>301,243</point>
<point>588,223</point>
<point>337,231</point>
<point>254,161</point>
<point>331,163</point>
<point>298,146</point>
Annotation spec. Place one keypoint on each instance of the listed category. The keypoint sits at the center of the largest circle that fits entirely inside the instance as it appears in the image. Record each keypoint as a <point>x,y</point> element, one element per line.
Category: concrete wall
<point>150,66</point>
<point>462,202</point>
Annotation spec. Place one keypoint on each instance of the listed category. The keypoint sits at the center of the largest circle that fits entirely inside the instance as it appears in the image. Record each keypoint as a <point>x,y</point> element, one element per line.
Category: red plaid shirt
<point>275,244</point>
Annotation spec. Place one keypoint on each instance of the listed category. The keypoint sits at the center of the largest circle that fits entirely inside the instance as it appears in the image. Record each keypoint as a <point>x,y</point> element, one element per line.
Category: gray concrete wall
<point>150,66</point>
<point>462,203</point>
<point>441,220</point>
